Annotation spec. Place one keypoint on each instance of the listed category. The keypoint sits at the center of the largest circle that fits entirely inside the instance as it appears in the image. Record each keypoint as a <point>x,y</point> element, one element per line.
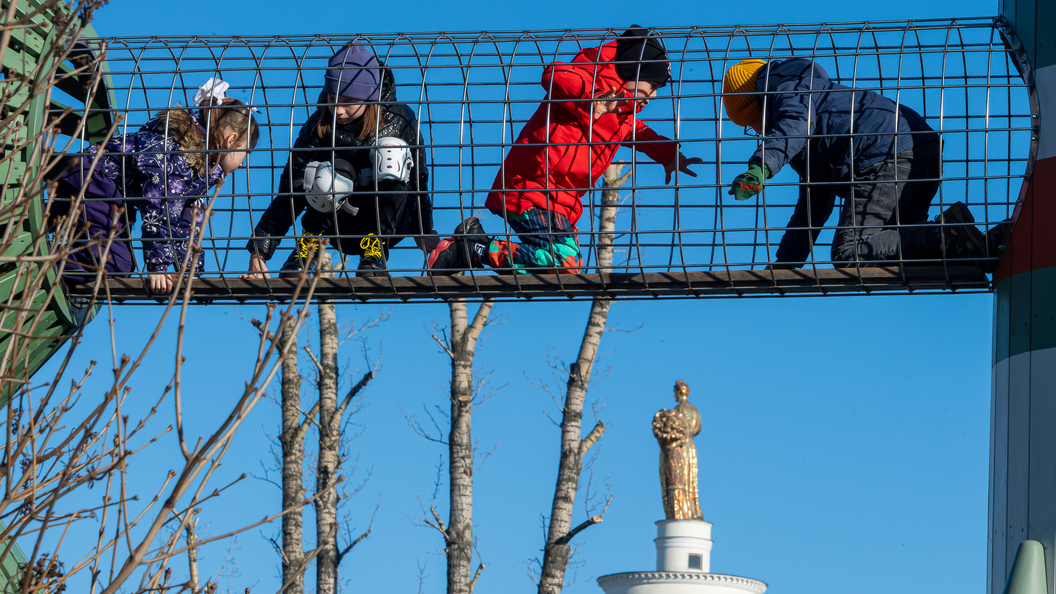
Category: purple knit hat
<point>355,73</point>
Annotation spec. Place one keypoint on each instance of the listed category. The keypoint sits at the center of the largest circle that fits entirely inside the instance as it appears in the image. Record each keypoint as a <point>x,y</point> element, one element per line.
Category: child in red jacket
<point>564,148</point>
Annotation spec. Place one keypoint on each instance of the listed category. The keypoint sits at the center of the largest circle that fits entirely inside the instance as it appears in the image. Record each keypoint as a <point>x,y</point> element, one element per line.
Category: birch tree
<point>326,466</point>
<point>291,442</point>
<point>326,415</point>
<point>574,445</point>
<point>460,344</point>
<point>459,536</point>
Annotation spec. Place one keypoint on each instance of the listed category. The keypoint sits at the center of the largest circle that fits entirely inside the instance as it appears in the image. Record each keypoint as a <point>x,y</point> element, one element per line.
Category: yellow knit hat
<point>740,78</point>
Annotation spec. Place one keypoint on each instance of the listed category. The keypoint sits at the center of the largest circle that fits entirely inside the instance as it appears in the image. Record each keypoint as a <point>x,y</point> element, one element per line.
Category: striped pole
<point>1023,404</point>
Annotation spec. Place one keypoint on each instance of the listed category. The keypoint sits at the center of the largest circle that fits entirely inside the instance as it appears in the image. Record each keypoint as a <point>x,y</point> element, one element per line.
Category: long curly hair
<point>219,118</point>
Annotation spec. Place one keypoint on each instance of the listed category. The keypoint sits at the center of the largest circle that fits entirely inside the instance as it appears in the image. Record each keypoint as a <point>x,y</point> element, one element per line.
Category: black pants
<point>882,218</point>
<point>386,214</point>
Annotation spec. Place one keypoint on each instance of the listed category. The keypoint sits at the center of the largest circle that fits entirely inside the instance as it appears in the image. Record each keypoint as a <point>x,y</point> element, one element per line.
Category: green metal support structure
<point>24,226</point>
<point>22,221</point>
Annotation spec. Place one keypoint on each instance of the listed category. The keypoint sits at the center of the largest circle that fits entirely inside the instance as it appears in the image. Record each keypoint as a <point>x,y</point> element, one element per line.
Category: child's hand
<point>257,268</point>
<point>161,282</point>
<point>750,182</point>
<point>607,103</point>
<point>681,163</point>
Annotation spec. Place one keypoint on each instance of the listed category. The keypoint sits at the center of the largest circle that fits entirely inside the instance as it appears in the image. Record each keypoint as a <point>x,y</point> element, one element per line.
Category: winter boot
<point>372,262</point>
<point>996,240</point>
<point>467,249</point>
<point>960,238</point>
<point>302,257</point>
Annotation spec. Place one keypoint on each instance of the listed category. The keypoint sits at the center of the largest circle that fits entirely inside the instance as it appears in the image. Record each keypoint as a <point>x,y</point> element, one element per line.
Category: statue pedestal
<point>683,545</point>
<point>683,565</point>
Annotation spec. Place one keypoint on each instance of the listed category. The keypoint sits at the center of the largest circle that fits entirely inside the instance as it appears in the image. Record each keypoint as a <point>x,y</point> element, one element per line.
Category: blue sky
<point>845,439</point>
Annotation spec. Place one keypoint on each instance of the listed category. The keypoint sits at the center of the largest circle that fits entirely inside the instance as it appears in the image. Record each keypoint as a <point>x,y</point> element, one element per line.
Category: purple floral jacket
<point>156,178</point>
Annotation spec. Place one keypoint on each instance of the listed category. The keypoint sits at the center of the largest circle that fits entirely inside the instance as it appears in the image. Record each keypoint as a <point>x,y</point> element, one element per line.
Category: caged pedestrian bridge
<point>984,83</point>
<point>473,92</point>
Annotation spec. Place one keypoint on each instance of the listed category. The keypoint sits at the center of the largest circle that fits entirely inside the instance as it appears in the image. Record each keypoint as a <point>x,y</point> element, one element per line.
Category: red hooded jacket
<point>563,149</point>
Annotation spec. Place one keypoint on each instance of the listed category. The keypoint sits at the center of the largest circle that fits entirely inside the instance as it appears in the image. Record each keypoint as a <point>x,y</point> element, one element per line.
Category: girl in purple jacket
<point>164,171</point>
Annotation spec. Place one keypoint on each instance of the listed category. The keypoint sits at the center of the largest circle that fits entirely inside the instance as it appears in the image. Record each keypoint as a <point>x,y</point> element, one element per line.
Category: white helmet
<point>326,184</point>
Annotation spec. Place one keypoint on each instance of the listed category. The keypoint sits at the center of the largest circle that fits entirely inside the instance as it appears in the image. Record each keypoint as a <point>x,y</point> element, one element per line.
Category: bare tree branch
<point>591,438</point>
<point>366,533</point>
<point>362,383</point>
<point>443,346</point>
<point>311,355</point>
<point>571,533</point>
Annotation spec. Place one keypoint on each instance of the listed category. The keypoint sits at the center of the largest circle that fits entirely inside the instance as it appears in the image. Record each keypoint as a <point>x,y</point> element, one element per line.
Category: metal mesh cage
<point>474,91</point>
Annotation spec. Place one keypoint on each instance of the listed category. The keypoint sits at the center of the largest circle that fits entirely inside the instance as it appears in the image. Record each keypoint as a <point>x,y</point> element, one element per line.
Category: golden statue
<point>675,429</point>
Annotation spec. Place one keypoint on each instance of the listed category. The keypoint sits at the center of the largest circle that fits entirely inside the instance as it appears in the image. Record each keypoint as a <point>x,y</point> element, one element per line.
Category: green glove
<point>750,182</point>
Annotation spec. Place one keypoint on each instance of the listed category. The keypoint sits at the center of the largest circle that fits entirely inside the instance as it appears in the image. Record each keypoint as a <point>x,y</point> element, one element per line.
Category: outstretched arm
<point>664,151</point>
<point>289,201</point>
<point>793,120</point>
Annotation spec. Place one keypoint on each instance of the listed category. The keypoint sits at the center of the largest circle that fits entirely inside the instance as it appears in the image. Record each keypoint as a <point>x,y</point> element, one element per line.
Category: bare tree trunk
<point>292,442</point>
<point>573,445</point>
<point>329,443</point>
<point>459,533</point>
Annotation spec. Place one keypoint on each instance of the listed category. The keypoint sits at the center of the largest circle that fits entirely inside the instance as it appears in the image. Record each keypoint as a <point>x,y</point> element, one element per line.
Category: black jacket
<point>836,129</point>
<point>398,120</point>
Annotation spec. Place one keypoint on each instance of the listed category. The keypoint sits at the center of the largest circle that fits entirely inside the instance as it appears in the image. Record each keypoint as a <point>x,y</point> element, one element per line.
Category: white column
<point>683,546</point>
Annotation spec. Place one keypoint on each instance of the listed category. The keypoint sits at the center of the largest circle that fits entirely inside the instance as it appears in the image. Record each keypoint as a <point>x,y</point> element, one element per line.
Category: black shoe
<point>302,257</point>
<point>996,240</point>
<point>372,262</point>
<point>961,239</point>
<point>371,266</point>
<point>465,250</point>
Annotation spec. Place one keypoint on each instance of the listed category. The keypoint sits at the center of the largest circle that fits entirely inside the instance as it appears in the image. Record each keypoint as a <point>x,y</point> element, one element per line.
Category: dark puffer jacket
<point>398,120</point>
<point>801,102</point>
<point>154,174</point>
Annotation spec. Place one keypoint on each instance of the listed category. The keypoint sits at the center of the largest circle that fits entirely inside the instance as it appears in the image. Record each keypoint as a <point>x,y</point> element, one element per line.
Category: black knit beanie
<point>640,56</point>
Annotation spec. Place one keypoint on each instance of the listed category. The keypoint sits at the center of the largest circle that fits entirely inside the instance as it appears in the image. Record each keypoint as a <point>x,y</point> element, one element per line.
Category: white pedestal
<point>683,565</point>
<point>662,582</point>
<point>683,545</point>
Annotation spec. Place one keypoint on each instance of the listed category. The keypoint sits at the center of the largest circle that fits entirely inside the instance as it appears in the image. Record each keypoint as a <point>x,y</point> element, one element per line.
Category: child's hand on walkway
<point>681,163</point>
<point>607,102</point>
<point>257,268</point>
<point>161,282</point>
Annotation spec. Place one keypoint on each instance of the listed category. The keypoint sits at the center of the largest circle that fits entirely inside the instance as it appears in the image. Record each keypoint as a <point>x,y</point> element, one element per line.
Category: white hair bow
<point>214,87</point>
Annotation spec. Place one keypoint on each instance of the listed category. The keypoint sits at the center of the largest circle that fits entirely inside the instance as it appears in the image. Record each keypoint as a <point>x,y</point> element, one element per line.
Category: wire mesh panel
<point>474,92</point>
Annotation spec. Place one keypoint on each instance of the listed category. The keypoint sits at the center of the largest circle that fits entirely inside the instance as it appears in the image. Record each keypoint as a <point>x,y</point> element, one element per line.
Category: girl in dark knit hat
<point>357,171</point>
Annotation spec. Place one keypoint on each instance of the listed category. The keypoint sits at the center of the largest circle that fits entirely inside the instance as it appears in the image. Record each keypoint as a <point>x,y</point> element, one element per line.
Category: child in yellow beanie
<point>881,157</point>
